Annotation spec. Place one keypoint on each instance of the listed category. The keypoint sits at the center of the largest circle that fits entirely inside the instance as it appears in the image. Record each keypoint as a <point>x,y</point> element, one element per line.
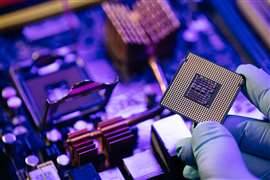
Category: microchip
<point>202,90</point>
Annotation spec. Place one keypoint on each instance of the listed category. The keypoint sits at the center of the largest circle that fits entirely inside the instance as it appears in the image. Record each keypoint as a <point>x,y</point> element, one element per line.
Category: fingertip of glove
<point>245,69</point>
<point>208,130</point>
<point>206,126</point>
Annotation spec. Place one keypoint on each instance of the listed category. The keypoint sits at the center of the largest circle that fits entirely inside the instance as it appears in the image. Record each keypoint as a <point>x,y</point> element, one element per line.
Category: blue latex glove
<point>257,87</point>
<point>239,151</point>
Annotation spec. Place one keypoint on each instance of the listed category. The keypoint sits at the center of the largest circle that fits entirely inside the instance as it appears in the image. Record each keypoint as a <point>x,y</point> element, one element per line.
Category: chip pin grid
<point>202,90</point>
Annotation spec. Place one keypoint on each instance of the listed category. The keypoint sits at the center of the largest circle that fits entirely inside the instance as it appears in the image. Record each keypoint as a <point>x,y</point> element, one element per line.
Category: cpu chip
<point>202,90</point>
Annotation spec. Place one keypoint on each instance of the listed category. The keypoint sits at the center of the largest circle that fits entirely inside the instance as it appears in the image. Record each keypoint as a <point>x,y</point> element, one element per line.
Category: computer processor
<point>202,90</point>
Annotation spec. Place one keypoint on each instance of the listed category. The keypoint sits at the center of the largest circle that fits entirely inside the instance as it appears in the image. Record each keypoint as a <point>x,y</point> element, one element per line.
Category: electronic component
<point>135,30</point>
<point>64,165</point>
<point>14,102</point>
<point>18,119</point>
<point>113,134</point>
<point>117,135</point>
<point>84,172</point>
<point>80,124</point>
<point>83,98</point>
<point>20,130</point>
<point>142,165</point>
<point>113,173</point>
<point>8,92</point>
<point>9,140</point>
<point>81,147</point>
<point>201,90</point>
<point>126,39</point>
<point>56,87</point>
<point>160,24</point>
<point>54,135</point>
<point>31,160</point>
<point>63,160</point>
<point>46,171</point>
<point>165,135</point>
<point>133,36</point>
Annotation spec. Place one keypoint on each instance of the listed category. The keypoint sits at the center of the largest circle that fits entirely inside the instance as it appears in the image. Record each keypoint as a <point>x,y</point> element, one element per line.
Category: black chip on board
<point>202,90</point>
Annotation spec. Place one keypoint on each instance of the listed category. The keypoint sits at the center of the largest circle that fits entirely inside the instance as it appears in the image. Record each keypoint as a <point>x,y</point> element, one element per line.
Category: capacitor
<point>19,130</point>
<point>63,51</point>
<point>8,92</point>
<point>9,141</point>
<point>14,103</point>
<point>90,126</point>
<point>17,120</point>
<point>201,24</point>
<point>31,161</point>
<point>79,125</point>
<point>70,57</point>
<point>190,36</point>
<point>9,138</point>
<point>54,135</point>
<point>63,160</point>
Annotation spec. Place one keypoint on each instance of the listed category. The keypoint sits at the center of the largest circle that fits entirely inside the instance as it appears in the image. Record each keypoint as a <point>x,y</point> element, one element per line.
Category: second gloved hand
<point>213,153</point>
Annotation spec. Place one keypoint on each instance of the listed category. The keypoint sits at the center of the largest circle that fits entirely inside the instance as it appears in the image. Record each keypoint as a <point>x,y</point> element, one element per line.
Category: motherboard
<point>80,89</point>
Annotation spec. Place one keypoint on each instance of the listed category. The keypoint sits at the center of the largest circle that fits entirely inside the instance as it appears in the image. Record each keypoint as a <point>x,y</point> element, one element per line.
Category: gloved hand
<point>238,150</point>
